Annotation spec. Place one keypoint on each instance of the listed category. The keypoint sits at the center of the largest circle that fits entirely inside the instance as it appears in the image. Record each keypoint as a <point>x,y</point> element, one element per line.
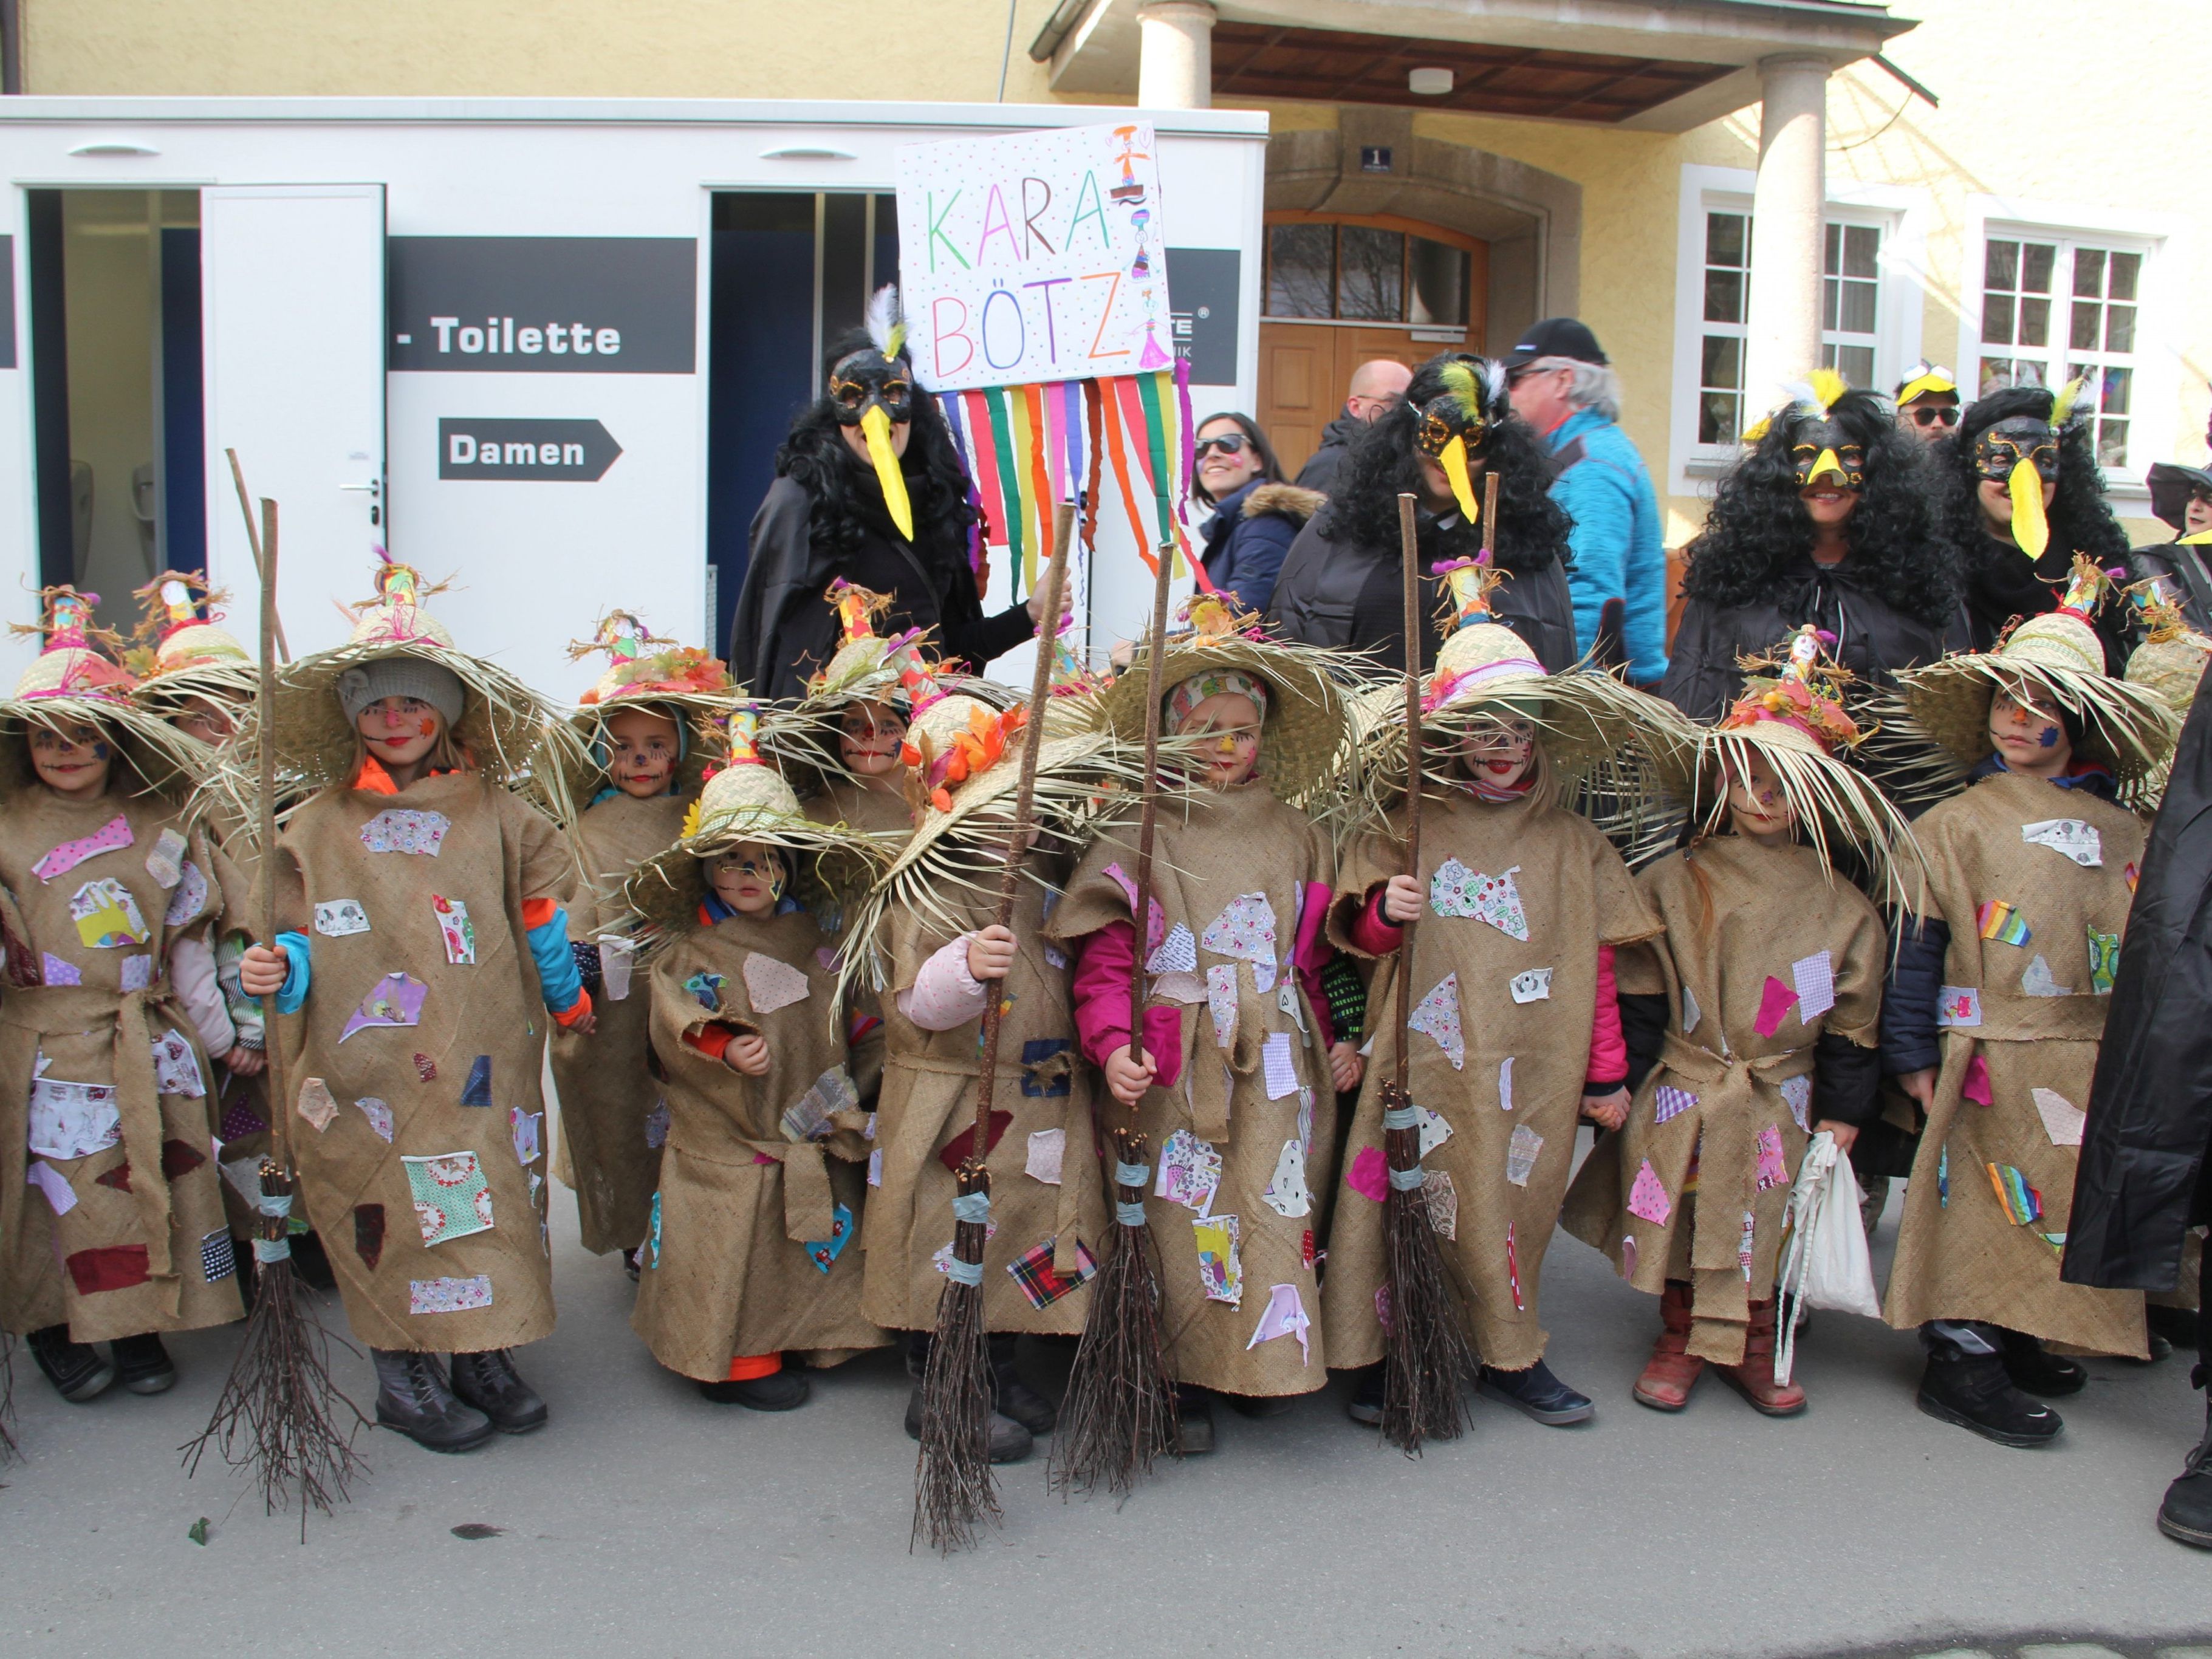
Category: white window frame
<point>1900,214</point>
<point>2153,416</point>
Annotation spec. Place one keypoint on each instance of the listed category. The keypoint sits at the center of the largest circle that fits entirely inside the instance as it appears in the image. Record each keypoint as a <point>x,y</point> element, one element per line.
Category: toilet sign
<point>525,451</point>
<point>1039,256</point>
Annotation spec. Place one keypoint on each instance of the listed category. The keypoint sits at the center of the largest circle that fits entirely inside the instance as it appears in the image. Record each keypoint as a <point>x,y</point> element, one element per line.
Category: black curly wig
<point>1532,528</point>
<point>844,486</point>
<point>1757,533</point>
<point>2079,522</point>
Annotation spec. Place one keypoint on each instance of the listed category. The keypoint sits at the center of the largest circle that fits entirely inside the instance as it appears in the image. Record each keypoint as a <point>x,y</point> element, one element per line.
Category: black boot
<point>1366,1405</point>
<point>2186,1514</point>
<point>2035,1370</point>
<point>1965,1383</point>
<point>413,1398</point>
<point>142,1364</point>
<point>75,1369</point>
<point>1539,1393</point>
<point>783,1389</point>
<point>490,1382</point>
<point>1194,1418</point>
<point>1010,1442</point>
<point>1011,1396</point>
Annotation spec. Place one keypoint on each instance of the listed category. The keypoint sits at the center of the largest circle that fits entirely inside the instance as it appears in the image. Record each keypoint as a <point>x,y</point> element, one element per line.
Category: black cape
<point>2150,1107</point>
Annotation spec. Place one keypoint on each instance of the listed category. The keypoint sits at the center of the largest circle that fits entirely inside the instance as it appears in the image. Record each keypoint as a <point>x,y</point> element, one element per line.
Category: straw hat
<point>747,800</point>
<point>680,682</point>
<point>72,680</point>
<point>2170,661</point>
<point>182,655</point>
<point>1305,736</point>
<point>2126,726</point>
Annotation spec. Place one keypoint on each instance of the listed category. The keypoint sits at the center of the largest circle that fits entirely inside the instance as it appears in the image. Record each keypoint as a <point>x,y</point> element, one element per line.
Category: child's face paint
<point>869,735</point>
<point>749,879</point>
<point>1226,728</point>
<point>399,731</point>
<point>1499,752</point>
<point>2027,732</point>
<point>1758,808</point>
<point>641,751</point>
<point>72,759</point>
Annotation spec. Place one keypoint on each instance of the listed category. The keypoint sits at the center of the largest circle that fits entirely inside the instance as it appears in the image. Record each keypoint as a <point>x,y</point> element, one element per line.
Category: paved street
<point>644,1517</point>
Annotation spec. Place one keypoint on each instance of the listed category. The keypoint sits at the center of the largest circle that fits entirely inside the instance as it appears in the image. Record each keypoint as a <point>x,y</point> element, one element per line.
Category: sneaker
<point>75,1369</point>
<point>1194,1419</point>
<point>781,1390</point>
<point>490,1382</point>
<point>1010,1442</point>
<point>1536,1393</point>
<point>142,1364</point>
<point>1366,1405</point>
<point>2185,1517</point>
<point>413,1399</point>
<point>2035,1370</point>
<point>1973,1391</point>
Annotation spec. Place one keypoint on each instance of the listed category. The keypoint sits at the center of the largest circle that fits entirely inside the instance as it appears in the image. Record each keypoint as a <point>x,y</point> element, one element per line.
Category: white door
<point>293,331</point>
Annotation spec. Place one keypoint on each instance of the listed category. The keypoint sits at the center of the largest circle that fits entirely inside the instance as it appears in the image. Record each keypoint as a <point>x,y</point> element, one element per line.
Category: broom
<point>954,1488</point>
<point>276,1415</point>
<point>1119,1410</point>
<point>1425,1356</point>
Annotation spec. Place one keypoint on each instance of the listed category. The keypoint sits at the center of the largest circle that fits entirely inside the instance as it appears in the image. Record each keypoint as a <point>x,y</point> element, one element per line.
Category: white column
<point>1174,54</point>
<point>1782,323</point>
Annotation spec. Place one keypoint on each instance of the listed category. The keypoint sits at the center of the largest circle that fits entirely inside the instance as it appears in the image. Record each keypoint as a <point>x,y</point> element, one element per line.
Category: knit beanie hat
<point>401,676</point>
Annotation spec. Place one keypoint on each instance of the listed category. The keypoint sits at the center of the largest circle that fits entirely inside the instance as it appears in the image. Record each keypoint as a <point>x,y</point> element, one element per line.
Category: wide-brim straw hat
<point>199,660</point>
<point>1305,735</point>
<point>699,716</point>
<point>161,757</point>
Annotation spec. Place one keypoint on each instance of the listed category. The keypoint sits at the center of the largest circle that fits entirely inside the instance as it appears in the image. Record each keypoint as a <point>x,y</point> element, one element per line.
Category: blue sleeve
<point>556,964</point>
<point>1644,632</point>
<point>1909,1039</point>
<point>1257,548</point>
<point>1594,494</point>
<point>298,973</point>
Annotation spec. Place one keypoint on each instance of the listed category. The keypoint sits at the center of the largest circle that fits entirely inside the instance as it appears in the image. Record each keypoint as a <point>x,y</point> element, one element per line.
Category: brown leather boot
<point>1672,1371</point>
<point>1754,1379</point>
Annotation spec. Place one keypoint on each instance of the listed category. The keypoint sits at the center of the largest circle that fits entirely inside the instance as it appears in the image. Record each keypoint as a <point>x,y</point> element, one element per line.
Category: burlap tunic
<point>1960,1254</point>
<point>746,1215</point>
<point>879,812</point>
<point>476,1287</point>
<point>1216,859</point>
<point>1720,1084</point>
<point>1575,895</point>
<point>129,1234</point>
<point>928,1103</point>
<point>605,1088</point>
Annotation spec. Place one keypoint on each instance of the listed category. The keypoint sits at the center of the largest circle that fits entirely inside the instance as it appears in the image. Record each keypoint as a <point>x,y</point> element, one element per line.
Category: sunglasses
<point>1945,414</point>
<point>1228,443</point>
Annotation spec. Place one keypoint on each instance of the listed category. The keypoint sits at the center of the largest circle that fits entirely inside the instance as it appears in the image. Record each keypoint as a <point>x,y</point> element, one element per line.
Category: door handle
<point>374,487</point>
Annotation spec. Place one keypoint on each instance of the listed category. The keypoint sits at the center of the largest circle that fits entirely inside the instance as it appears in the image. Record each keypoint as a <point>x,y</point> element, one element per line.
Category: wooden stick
<point>1489,515</point>
<point>1017,845</point>
<point>1148,818</point>
<point>1409,547</point>
<point>280,1143</point>
<point>254,541</point>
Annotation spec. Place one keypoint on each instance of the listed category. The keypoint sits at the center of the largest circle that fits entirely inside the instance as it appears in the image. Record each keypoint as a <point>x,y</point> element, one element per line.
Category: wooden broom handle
<point>280,1139</point>
<point>1155,670</point>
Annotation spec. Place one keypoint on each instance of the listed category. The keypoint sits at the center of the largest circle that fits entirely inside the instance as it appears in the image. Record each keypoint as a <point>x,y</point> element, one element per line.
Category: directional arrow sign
<point>526,452</point>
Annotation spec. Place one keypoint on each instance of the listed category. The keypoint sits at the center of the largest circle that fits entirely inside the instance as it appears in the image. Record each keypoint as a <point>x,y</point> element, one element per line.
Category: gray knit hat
<point>401,676</point>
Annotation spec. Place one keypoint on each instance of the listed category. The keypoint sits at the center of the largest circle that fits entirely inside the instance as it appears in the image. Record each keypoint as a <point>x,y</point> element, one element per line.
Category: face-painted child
<point>208,719</point>
<point>2029,735</point>
<point>642,750</point>
<point>869,737</point>
<point>1227,725</point>
<point>1758,808</point>
<point>751,879</point>
<point>72,758</point>
<point>400,733</point>
<point>1499,750</point>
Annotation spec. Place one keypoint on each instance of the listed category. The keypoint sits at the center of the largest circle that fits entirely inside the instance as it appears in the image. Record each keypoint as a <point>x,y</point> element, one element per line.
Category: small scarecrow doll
<point>648,728</point>
<point>110,1205</point>
<point>1514,1028</point>
<point>942,957</point>
<point>1752,1023</point>
<point>424,946</point>
<point>748,1258</point>
<point>1996,1005</point>
<point>1233,1078</point>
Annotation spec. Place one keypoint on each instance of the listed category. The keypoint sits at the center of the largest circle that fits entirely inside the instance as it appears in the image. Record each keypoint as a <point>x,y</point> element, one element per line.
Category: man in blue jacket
<point>1563,386</point>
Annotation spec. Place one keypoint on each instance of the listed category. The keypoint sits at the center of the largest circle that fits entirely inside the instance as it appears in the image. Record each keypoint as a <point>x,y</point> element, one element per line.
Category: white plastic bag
<point>1825,1263</point>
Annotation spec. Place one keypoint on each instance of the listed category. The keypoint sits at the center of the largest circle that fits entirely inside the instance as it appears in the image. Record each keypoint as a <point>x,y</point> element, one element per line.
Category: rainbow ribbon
<point>2021,1201</point>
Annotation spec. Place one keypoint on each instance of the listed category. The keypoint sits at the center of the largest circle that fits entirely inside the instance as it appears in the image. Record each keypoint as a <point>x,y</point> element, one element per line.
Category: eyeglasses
<point>1931,414</point>
<point>1228,443</point>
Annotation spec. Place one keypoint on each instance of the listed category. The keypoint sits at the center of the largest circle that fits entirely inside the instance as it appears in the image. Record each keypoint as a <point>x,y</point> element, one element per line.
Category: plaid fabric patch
<point>1670,1101</point>
<point>1032,1271</point>
<point>218,1260</point>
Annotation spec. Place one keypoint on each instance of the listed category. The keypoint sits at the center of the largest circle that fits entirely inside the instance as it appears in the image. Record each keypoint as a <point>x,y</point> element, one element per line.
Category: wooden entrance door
<point>1304,368</point>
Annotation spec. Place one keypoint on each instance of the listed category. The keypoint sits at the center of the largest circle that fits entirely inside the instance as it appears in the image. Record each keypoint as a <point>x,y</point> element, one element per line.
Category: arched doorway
<point>1340,289</point>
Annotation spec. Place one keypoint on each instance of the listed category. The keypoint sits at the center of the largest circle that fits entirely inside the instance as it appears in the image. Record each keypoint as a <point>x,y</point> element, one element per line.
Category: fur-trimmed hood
<point>1293,504</point>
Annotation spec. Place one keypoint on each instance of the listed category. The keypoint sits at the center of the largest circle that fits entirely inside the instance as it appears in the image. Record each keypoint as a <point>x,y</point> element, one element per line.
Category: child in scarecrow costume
<point>841,745</point>
<point>942,957</point>
<point>194,674</point>
<point>1232,1080</point>
<point>424,946</point>
<point>1997,1007</point>
<point>1752,1023</point>
<point>748,1257</point>
<point>647,729</point>
<point>1516,1029</point>
<point>110,1204</point>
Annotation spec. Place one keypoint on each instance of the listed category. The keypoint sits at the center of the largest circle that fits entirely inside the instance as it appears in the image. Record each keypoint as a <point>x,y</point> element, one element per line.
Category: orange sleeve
<point>537,912</point>
<point>710,1040</point>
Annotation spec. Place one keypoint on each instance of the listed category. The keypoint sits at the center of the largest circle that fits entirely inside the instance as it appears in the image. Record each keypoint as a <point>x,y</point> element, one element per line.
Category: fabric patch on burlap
<point>1773,1167</point>
<point>176,1067</point>
<point>106,915</point>
<point>451,1198</point>
<point>189,898</point>
<point>52,970</point>
<point>807,1118</point>
<point>1647,1197</point>
<point>1190,1171</point>
<point>395,999</point>
<point>1245,930</point>
<point>341,918</point>
<point>435,1296</point>
<point>218,1257</point>
<point>772,984</point>
<point>1440,1200</point>
<point>1533,985</point>
<point>60,1198</point>
<point>398,829</point>
<point>115,1180</point>
<point>109,1268</point>
<point>1284,1315</point>
<point>1958,1006</point>
<point>1456,890</point>
<point>2021,1202</point>
<point>824,1251</point>
<point>1287,1193</point>
<point>477,1092</point>
<point>379,1115</point>
<point>1221,1002</point>
<point>1521,1154</point>
<point>1797,1091</point>
<point>2037,981</point>
<point>1994,919</point>
<point>111,836</point>
<point>1048,1151</point>
<point>1814,976</point>
<point>1437,1015</point>
<point>1032,1271</point>
<point>527,1127</point>
<point>368,1234</point>
<point>2104,959</point>
<point>455,930</point>
<point>2063,1120</point>
<point>1220,1271</point>
<point>165,859</point>
<point>1669,1102</point>
<point>1776,1000</point>
<point>1367,1174</point>
<point>73,1120</point>
<point>179,1157</point>
<point>316,1104</point>
<point>1178,953</point>
<point>2069,838</point>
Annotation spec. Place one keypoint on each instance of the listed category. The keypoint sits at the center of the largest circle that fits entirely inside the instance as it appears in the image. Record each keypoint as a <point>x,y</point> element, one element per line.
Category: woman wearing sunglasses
<point>1256,516</point>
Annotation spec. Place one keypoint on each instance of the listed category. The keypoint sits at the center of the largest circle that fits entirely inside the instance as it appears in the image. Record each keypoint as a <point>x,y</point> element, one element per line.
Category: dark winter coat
<point>1249,533</point>
<point>2003,583</point>
<point>2150,1107</point>
<point>2182,572</point>
<point>1319,472</point>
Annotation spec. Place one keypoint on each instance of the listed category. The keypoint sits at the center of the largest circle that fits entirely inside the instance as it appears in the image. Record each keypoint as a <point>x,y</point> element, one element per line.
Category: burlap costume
<point>476,1290</point>
<point>1960,1254</point>
<point>1232,869</point>
<point>143,1245</point>
<point>242,1107</point>
<point>928,1103</point>
<point>875,813</point>
<point>743,1224</point>
<point>1576,896</point>
<point>1763,912</point>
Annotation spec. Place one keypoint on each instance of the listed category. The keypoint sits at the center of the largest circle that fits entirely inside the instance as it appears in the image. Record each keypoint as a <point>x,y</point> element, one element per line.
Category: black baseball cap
<point>1556,337</point>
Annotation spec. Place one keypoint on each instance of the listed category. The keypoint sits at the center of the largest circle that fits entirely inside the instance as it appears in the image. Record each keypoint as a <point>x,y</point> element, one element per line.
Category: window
<point>1850,291</point>
<point>1366,272</point>
<point>1848,295</point>
<point>2054,309</point>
